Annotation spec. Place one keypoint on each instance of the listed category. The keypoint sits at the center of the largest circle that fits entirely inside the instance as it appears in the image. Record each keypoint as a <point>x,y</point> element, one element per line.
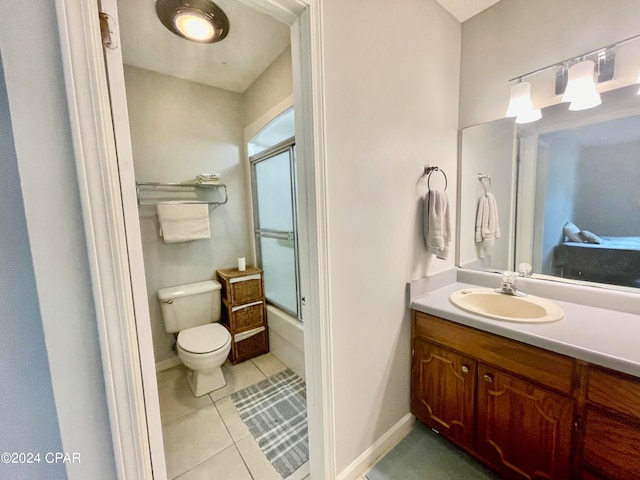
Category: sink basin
<point>498,306</point>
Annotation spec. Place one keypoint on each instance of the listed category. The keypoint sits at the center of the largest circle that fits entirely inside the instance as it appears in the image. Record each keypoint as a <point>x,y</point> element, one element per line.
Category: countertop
<point>600,336</point>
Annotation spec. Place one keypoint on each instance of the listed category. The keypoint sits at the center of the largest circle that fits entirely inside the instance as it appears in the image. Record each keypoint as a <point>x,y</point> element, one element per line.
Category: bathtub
<point>286,339</point>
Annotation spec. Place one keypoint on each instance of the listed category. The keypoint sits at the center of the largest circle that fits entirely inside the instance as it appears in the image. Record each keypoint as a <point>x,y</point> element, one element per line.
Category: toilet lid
<point>204,338</point>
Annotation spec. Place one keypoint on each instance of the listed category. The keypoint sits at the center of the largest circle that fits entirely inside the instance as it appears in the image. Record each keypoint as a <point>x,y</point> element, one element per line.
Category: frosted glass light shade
<point>520,105</point>
<point>581,88</point>
<point>194,25</point>
<point>638,81</point>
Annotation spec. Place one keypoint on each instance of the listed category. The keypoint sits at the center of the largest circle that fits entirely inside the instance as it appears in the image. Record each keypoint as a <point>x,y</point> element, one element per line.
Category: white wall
<point>514,37</point>
<point>28,417</point>
<point>391,107</point>
<point>178,130</point>
<point>37,101</point>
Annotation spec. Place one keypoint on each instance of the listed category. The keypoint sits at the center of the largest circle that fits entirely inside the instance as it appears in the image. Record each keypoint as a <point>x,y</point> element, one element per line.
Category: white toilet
<point>203,345</point>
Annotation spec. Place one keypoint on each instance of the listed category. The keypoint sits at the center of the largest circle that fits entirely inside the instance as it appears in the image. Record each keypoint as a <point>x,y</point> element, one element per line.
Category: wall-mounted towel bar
<point>180,186</point>
<point>428,170</point>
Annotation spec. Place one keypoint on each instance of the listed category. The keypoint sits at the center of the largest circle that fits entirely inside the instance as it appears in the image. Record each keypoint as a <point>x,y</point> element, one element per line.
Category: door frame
<point>107,192</point>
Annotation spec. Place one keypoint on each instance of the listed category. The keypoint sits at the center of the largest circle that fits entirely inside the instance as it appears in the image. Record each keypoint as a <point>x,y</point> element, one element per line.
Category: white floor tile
<point>171,375</point>
<point>258,464</point>
<point>238,377</point>
<point>269,364</point>
<point>226,465</point>
<point>231,419</point>
<point>193,438</point>
<point>176,400</point>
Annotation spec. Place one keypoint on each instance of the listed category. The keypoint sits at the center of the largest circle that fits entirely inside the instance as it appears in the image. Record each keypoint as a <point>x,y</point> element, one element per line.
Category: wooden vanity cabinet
<point>611,433</point>
<point>506,403</point>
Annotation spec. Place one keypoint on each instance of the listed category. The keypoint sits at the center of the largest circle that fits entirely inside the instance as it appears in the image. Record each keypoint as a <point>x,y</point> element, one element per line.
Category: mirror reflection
<point>575,179</point>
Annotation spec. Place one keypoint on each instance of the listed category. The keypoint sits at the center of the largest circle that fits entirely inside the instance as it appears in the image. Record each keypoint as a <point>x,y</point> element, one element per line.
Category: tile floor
<point>204,437</point>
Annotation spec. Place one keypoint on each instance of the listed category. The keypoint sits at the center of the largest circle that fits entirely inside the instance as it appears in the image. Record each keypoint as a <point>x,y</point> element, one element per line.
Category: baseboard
<point>168,363</point>
<point>380,448</point>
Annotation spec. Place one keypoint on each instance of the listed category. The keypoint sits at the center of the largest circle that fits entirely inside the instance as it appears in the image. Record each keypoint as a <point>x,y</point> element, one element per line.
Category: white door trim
<point>115,253</point>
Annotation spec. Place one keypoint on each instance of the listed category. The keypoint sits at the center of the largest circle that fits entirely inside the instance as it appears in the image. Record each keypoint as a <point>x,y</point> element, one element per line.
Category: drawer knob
<point>464,369</point>
<point>488,378</point>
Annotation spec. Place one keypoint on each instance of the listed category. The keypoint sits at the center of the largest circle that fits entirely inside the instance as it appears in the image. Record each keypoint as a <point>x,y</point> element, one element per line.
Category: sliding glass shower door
<point>275,221</point>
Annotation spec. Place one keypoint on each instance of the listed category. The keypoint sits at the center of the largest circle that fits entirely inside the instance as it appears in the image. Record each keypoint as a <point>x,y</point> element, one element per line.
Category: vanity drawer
<point>619,392</point>
<point>546,368</point>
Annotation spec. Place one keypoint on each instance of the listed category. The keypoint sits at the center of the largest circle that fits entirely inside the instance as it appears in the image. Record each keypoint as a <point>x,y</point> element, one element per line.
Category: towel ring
<point>429,170</point>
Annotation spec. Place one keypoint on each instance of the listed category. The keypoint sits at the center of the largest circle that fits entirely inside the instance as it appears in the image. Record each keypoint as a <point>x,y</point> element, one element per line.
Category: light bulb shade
<point>200,21</point>
<point>581,87</point>
<point>530,116</point>
<point>520,100</point>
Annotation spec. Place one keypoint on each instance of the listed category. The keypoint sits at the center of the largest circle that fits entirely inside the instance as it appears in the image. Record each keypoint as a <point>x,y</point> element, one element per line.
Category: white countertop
<point>596,335</point>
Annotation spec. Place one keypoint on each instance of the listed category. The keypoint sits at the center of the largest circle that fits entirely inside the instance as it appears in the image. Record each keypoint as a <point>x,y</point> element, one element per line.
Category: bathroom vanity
<point>522,398</point>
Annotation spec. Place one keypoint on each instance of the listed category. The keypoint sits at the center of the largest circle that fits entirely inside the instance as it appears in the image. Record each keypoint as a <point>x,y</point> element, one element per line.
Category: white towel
<point>437,223</point>
<point>487,222</point>
<point>182,223</point>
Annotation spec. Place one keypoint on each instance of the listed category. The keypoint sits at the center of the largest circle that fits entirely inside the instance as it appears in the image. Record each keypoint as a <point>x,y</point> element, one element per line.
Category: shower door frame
<point>287,145</point>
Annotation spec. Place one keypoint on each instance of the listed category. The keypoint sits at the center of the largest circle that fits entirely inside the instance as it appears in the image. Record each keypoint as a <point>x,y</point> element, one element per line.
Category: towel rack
<point>428,170</point>
<point>171,186</point>
<point>483,176</point>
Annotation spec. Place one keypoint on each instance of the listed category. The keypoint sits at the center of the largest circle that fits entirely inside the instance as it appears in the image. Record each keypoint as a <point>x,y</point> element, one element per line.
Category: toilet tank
<point>190,305</point>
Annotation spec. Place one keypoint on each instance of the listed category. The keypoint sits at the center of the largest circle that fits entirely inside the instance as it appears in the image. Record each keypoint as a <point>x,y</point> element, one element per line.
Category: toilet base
<point>202,382</point>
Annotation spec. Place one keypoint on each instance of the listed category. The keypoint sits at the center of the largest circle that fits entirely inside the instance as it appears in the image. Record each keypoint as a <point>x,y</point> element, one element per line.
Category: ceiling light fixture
<point>200,21</point>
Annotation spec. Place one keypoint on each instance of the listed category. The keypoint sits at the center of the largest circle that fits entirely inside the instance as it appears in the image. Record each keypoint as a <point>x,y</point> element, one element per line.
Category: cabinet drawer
<point>244,317</point>
<point>615,391</point>
<point>612,446</point>
<point>249,347</point>
<point>241,287</point>
<point>546,368</point>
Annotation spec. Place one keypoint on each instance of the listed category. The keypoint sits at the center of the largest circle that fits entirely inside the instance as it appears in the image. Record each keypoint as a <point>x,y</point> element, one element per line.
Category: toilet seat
<point>204,338</point>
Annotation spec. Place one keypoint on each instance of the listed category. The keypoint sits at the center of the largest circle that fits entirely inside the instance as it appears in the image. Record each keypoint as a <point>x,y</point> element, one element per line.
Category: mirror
<point>567,192</point>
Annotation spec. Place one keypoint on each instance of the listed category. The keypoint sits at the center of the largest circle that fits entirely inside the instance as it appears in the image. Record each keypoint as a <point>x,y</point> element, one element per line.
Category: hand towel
<point>487,222</point>
<point>182,223</point>
<point>437,223</point>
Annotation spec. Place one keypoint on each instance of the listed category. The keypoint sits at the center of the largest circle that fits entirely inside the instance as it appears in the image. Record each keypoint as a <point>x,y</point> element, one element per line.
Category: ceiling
<point>465,9</point>
<point>255,40</point>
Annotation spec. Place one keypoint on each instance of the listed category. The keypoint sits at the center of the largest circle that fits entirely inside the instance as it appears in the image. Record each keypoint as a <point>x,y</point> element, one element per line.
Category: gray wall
<point>28,417</point>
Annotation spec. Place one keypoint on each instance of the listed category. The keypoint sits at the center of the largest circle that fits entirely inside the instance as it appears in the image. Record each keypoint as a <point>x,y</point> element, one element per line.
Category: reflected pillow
<point>572,232</point>
<point>589,237</point>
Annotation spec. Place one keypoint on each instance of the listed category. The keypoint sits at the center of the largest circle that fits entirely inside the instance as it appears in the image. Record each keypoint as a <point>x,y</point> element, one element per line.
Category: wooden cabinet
<point>523,430</point>
<point>244,312</point>
<point>525,412</point>
<point>443,393</point>
<point>611,436</point>
<point>507,403</point>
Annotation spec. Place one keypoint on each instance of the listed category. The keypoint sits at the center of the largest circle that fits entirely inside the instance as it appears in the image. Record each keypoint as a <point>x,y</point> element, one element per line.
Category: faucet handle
<point>525,270</point>
<point>509,277</point>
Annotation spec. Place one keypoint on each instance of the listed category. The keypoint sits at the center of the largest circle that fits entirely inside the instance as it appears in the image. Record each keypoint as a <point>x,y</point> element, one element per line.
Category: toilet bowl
<point>203,350</point>
<point>192,311</point>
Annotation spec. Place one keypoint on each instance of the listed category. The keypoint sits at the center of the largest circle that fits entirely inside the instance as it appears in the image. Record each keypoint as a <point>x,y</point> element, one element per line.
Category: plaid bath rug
<point>275,411</point>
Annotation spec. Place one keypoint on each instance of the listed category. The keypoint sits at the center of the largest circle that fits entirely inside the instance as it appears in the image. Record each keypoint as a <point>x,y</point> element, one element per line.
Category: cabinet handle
<point>488,378</point>
<point>464,369</point>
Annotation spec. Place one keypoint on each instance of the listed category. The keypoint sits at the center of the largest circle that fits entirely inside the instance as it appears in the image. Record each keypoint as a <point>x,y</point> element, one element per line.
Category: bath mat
<point>275,411</point>
<point>425,455</point>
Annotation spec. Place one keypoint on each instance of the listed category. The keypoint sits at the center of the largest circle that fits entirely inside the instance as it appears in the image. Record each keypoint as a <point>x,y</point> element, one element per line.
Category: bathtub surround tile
<point>258,464</point>
<point>177,400</point>
<point>238,377</point>
<point>269,364</point>
<point>194,438</point>
<point>236,427</point>
<point>227,465</point>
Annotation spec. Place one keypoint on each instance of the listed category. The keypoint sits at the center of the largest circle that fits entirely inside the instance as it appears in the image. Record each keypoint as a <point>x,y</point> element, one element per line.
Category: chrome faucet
<point>508,285</point>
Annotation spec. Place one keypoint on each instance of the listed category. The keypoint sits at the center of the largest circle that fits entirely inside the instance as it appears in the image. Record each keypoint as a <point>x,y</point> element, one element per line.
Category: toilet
<point>193,312</point>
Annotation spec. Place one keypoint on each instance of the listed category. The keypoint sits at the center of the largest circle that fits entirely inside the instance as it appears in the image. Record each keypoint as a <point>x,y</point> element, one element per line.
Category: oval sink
<point>498,306</point>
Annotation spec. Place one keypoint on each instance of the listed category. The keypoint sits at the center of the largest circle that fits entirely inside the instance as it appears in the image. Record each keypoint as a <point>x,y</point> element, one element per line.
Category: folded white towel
<point>487,222</point>
<point>437,223</point>
<point>182,223</point>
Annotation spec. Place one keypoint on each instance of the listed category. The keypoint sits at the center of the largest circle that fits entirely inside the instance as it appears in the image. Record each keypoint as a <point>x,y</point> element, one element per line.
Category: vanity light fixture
<point>520,105</point>
<point>581,87</point>
<point>200,21</point>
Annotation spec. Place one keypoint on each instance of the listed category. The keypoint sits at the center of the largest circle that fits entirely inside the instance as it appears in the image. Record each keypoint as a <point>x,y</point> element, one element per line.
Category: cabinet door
<point>443,391</point>
<point>523,430</point>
